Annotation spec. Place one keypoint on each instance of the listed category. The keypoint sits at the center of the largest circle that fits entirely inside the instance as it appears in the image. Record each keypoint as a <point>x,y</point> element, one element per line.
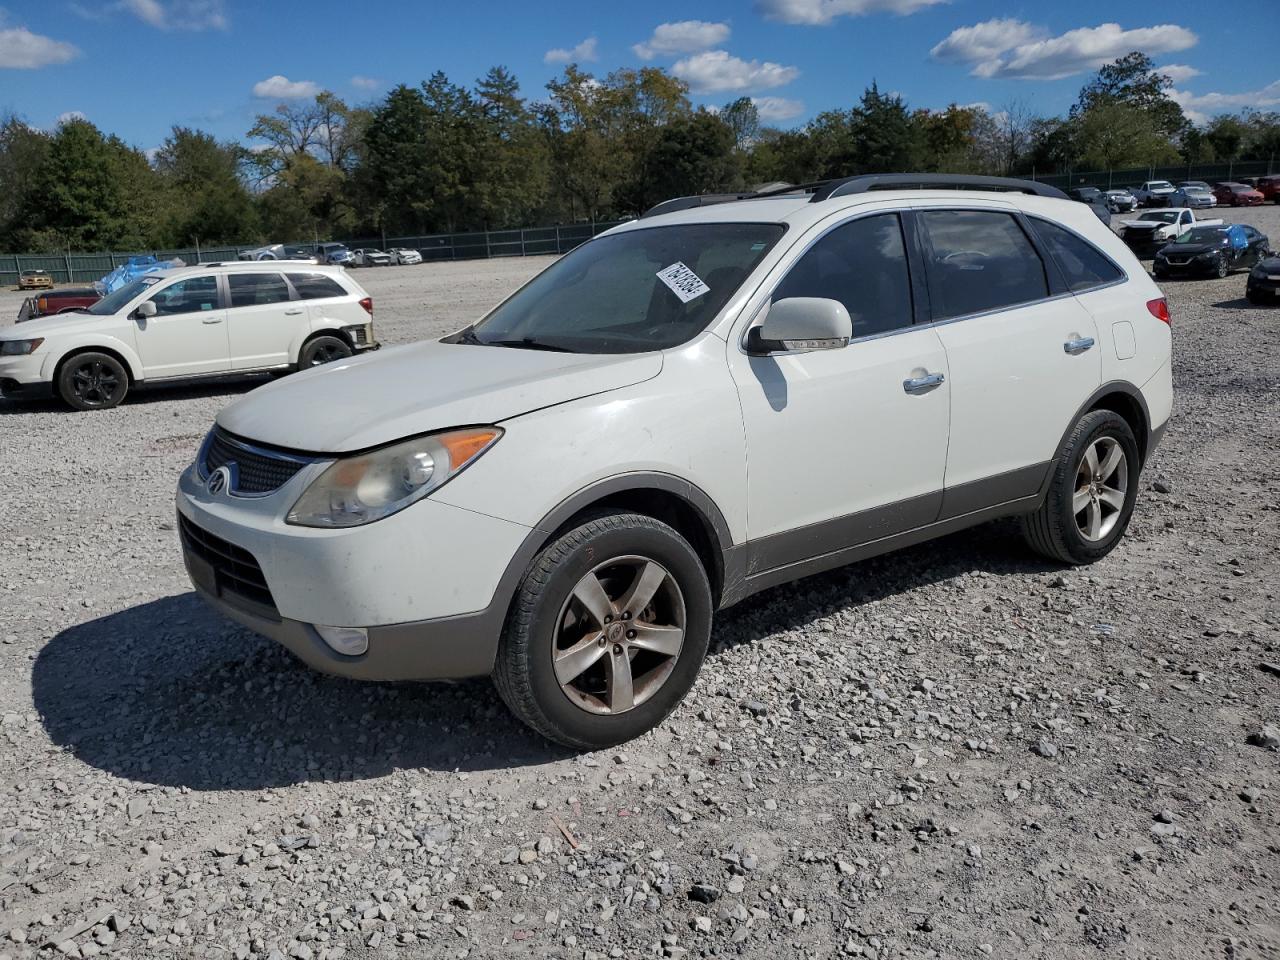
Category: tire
<point>92,381</point>
<point>1061,533</point>
<point>1221,268</point>
<point>615,552</point>
<point>321,350</point>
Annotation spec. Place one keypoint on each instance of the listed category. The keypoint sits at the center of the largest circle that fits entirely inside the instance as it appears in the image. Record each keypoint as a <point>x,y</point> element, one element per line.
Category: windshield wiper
<point>527,343</point>
<point>467,335</point>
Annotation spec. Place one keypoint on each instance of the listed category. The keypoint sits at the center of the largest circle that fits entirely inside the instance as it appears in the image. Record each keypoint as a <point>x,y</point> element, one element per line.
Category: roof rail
<point>697,200</point>
<point>930,181</point>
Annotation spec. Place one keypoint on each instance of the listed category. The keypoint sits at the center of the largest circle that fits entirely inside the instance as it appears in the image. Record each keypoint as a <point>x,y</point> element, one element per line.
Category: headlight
<point>369,486</point>
<point>19,348</point>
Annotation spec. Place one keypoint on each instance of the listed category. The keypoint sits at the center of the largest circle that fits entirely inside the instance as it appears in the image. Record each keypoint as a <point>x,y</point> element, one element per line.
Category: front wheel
<point>93,381</point>
<point>322,350</point>
<point>607,632</point>
<point>1091,494</point>
<point>1221,267</point>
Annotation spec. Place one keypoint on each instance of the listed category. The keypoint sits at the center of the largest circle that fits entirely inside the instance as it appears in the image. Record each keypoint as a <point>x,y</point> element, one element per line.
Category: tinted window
<point>314,286</point>
<point>187,296</point>
<point>980,260</point>
<point>254,289</point>
<point>863,264</point>
<point>1082,264</point>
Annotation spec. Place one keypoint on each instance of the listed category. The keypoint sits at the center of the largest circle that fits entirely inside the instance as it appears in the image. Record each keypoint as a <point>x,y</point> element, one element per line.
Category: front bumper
<point>1197,267</point>
<point>20,376</point>
<point>1263,287</point>
<point>424,582</point>
<point>1143,246</point>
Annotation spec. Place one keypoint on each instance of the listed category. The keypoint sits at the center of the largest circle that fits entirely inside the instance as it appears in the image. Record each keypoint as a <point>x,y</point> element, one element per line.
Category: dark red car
<point>1269,187</point>
<point>1236,195</point>
<point>58,301</point>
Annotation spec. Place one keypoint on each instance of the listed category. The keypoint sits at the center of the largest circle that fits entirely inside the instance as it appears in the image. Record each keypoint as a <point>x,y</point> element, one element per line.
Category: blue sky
<point>137,67</point>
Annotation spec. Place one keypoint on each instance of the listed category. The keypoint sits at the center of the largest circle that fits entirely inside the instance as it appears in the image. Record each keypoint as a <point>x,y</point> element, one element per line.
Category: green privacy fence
<point>1136,176</point>
<point>530,241</point>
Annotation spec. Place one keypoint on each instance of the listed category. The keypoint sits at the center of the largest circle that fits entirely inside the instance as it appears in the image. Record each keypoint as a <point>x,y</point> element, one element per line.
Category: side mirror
<point>145,309</point>
<point>802,324</point>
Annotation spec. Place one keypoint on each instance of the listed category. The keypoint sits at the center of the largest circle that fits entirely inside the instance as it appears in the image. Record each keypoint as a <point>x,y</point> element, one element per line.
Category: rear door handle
<point>207,322</point>
<point>293,313</point>
<point>1074,347</point>
<point>923,384</point>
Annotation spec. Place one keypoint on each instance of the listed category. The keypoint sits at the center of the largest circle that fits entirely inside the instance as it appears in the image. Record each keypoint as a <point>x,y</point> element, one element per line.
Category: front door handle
<point>923,384</point>
<point>292,313</point>
<point>207,322</point>
<point>1074,347</point>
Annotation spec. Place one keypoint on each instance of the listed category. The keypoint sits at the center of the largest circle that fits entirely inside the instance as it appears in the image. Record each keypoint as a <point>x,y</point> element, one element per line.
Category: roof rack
<point>847,186</point>
<point>930,181</point>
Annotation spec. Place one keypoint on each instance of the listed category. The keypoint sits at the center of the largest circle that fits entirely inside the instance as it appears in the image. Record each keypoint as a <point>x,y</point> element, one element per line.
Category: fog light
<point>348,641</point>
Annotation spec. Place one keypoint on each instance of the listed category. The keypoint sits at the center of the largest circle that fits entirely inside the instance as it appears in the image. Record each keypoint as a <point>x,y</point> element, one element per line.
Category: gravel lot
<point>953,751</point>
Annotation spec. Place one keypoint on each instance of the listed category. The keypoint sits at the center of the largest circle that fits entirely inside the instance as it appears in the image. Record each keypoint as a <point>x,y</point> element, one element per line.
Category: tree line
<point>443,157</point>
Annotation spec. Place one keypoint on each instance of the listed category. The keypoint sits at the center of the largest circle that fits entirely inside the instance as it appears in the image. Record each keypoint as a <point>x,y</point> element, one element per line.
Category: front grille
<point>235,569</point>
<point>255,471</point>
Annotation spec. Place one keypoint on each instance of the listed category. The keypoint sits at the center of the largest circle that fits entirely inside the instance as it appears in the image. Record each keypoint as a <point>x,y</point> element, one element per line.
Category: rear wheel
<point>93,381</point>
<point>321,350</point>
<point>1091,494</point>
<point>607,632</point>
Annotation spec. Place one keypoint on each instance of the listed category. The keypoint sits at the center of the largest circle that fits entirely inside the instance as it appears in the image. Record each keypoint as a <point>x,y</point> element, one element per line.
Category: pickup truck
<point>1154,193</point>
<point>1154,228</point>
<point>58,301</point>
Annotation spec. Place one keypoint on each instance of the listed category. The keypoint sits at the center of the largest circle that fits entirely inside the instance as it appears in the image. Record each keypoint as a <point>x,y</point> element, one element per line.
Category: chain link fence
<point>530,241</point>
<point>1137,176</point>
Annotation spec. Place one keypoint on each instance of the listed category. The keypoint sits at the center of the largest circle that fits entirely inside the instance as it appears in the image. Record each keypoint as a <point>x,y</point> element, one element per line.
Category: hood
<point>1191,249</point>
<point>54,323</point>
<point>1270,264</point>
<point>1143,224</point>
<point>403,391</point>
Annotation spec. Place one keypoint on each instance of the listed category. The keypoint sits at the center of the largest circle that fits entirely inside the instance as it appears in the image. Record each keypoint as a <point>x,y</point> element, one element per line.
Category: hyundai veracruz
<point>721,396</point>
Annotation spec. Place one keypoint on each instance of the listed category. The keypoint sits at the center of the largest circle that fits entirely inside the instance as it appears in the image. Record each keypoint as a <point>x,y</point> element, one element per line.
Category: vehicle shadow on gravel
<point>171,693</point>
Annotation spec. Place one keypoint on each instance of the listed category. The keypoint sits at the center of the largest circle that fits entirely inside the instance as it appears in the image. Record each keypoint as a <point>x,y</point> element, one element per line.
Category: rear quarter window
<point>315,286</point>
<point>1083,265</point>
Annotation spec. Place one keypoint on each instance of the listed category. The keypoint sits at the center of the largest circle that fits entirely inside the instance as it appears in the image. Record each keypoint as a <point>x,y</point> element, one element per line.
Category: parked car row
<point>334,253</point>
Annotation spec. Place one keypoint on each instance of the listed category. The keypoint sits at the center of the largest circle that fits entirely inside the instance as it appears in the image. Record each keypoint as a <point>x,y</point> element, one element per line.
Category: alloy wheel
<point>327,353</point>
<point>619,635</point>
<point>1102,480</point>
<point>96,384</point>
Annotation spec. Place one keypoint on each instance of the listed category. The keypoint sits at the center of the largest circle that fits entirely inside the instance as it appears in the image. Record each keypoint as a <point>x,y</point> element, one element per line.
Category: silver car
<point>404,255</point>
<point>1192,196</point>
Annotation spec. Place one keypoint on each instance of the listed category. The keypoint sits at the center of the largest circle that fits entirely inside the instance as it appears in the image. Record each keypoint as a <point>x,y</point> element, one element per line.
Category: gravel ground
<point>953,751</point>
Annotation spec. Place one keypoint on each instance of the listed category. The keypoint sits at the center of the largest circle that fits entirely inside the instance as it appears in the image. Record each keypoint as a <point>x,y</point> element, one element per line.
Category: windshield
<point>113,302</point>
<point>1203,235</point>
<point>1160,216</point>
<point>1161,185</point>
<point>630,292</point>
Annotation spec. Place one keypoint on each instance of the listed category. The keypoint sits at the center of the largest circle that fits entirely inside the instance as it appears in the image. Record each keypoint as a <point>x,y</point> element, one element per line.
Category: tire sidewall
<point>596,731</point>
<point>1110,425</point>
<point>69,367</point>
<point>305,360</point>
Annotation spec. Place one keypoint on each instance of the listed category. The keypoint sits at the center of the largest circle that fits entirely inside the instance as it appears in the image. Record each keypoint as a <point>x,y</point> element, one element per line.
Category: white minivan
<point>726,394</point>
<point>213,319</point>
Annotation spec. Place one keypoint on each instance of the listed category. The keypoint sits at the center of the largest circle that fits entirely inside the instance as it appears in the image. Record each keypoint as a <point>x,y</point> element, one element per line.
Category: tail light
<point>1159,308</point>
<point>367,303</point>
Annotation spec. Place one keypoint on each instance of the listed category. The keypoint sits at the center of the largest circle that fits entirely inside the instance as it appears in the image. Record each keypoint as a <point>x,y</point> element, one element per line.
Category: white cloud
<point>585,52</point>
<point>69,116</point>
<point>1178,72</point>
<point>777,109</point>
<point>178,14</point>
<point>282,88</point>
<point>822,12</point>
<point>1200,107</point>
<point>716,71</point>
<point>365,83</point>
<point>683,36</point>
<point>20,49</point>
<point>1008,48</point>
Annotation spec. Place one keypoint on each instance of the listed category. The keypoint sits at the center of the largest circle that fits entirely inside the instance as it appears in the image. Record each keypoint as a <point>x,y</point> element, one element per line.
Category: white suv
<point>699,404</point>
<point>213,319</point>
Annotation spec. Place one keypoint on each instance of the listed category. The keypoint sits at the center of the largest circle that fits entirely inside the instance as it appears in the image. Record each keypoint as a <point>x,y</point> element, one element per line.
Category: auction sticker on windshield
<point>683,282</point>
